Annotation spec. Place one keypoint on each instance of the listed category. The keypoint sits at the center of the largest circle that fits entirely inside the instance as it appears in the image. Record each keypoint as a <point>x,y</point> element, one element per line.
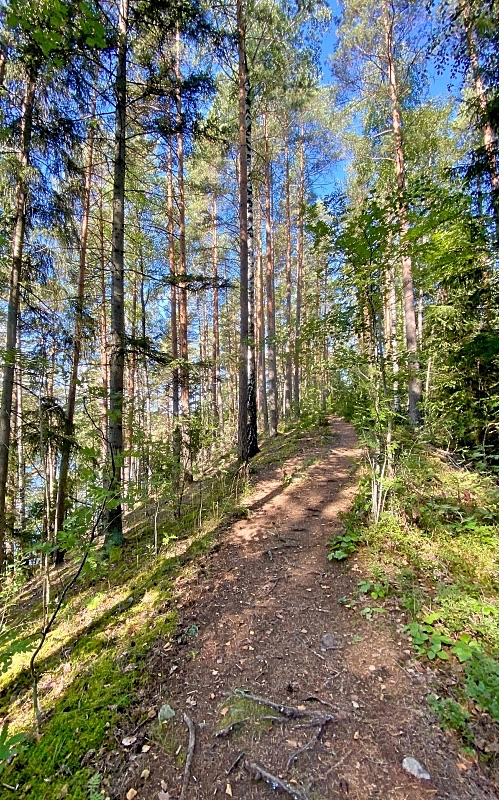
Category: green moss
<point>238,713</point>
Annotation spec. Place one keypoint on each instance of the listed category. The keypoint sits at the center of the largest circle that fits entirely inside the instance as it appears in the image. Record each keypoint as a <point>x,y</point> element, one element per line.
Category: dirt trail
<point>268,621</point>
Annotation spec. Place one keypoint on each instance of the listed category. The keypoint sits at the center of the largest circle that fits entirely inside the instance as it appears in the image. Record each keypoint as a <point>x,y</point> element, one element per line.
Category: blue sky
<point>439,86</point>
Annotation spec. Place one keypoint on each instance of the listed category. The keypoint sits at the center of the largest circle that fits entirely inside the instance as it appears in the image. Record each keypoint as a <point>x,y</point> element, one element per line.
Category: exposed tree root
<point>315,717</point>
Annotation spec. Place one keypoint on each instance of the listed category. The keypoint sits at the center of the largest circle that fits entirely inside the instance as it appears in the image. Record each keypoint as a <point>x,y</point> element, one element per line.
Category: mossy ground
<point>90,665</point>
<point>435,555</point>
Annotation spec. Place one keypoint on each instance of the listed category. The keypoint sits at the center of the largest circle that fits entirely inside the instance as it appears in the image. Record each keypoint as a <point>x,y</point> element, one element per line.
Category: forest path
<point>262,615</point>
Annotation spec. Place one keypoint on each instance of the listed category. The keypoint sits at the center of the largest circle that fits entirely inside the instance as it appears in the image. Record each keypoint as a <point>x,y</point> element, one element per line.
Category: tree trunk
<point>247,417</point>
<point>21,198</point>
<point>414,383</point>
<point>146,387</point>
<point>176,433</point>
<point>260,328</point>
<point>68,441</point>
<point>21,463</point>
<point>288,381</point>
<point>3,63</point>
<point>132,367</point>
<point>114,533</point>
<point>103,336</point>
<point>216,383</point>
<point>182,287</point>
<point>299,279</point>
<point>269,252</point>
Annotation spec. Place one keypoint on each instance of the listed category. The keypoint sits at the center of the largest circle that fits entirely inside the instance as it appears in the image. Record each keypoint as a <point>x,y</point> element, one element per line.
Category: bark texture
<point>414,382</point>
<point>114,532</point>
<point>269,252</point>
<point>247,417</point>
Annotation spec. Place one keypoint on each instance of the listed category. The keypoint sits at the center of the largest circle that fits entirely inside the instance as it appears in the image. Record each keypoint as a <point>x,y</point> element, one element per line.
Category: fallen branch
<point>276,783</point>
<point>190,753</point>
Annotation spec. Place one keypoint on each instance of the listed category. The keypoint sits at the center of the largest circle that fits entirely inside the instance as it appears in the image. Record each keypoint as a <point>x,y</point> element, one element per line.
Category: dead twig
<point>305,644</point>
<point>276,783</point>
<point>287,711</point>
<point>232,727</point>
<point>236,762</point>
<point>282,546</point>
<point>309,746</point>
<point>190,753</point>
<point>322,702</point>
<point>338,763</point>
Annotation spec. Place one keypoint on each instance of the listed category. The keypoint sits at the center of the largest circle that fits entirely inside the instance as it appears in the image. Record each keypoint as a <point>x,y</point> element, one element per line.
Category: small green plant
<point>428,641</point>
<point>464,648</point>
<point>369,612</point>
<point>343,545</point>
<point>10,645</point>
<point>93,787</point>
<point>451,714</point>
<point>241,512</point>
<point>482,683</point>
<point>377,591</point>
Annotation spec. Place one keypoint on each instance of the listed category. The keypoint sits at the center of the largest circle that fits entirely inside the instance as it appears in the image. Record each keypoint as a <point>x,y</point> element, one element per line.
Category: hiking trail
<point>338,700</point>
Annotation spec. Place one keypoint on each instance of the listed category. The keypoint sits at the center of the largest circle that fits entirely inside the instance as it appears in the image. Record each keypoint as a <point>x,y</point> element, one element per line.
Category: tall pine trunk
<point>414,383</point>
<point>177,436</point>
<point>21,197</point>
<point>104,364</point>
<point>488,132</point>
<point>299,277</point>
<point>182,286</point>
<point>216,382</point>
<point>247,417</point>
<point>269,252</point>
<point>288,380</point>
<point>114,533</point>
<point>260,330</point>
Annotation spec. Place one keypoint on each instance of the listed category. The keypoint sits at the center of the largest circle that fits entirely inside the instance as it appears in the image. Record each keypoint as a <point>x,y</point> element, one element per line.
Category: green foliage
<point>49,31</point>
<point>12,643</point>
<point>437,547</point>
<point>374,590</point>
<point>482,684</point>
<point>450,713</point>
<point>10,746</point>
<point>345,543</point>
<point>428,640</point>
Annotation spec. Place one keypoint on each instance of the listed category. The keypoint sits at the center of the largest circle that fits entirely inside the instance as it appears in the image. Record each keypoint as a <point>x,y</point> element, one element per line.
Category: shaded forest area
<point>206,243</point>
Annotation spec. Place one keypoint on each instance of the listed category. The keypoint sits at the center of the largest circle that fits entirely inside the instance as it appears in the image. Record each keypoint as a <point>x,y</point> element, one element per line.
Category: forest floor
<point>341,701</point>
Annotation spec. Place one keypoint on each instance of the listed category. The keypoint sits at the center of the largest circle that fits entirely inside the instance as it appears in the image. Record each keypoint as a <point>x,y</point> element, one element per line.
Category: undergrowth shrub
<point>435,549</point>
